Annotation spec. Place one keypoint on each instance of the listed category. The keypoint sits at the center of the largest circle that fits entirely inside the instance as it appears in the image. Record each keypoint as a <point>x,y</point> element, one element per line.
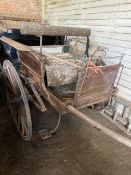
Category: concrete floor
<point>76,148</point>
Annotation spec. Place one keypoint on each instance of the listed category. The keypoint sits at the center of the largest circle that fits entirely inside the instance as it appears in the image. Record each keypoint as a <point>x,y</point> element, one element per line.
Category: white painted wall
<point>110,22</point>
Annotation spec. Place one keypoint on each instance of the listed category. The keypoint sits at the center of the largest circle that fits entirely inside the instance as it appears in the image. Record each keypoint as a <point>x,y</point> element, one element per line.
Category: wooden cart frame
<point>29,84</point>
<point>92,88</point>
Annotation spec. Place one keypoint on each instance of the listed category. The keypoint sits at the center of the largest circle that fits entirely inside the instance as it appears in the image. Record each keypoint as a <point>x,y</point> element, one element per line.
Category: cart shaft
<point>116,136</point>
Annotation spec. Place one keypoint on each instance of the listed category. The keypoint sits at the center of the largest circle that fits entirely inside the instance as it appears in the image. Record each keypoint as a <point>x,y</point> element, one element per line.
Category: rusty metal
<point>41,29</point>
<point>45,133</point>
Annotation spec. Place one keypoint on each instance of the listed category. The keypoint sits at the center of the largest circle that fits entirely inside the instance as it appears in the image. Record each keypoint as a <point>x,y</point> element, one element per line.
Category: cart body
<point>60,78</point>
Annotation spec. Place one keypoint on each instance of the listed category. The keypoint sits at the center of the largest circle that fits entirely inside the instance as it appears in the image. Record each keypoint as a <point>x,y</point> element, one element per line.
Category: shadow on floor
<point>76,148</point>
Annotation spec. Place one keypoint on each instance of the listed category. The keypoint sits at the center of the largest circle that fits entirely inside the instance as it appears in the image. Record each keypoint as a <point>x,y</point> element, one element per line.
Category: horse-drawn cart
<point>68,83</point>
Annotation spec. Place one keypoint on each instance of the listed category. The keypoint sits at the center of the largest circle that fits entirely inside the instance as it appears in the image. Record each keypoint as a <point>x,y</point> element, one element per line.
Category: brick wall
<point>21,9</point>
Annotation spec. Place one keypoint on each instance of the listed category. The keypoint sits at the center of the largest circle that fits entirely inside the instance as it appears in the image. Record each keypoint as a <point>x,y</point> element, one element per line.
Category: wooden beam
<point>15,44</point>
<point>40,29</point>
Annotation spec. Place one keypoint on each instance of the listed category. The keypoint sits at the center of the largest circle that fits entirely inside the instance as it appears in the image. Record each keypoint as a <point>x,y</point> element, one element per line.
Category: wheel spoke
<point>24,122</point>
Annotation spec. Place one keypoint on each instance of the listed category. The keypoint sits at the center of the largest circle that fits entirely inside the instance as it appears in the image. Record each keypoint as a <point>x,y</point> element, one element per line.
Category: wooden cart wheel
<point>17,101</point>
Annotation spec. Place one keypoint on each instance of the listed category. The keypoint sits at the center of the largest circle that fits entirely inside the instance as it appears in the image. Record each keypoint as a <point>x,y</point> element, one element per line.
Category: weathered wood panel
<point>95,87</point>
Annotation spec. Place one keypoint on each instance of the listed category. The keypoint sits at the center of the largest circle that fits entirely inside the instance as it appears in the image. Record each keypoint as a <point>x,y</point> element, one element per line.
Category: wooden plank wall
<point>110,22</point>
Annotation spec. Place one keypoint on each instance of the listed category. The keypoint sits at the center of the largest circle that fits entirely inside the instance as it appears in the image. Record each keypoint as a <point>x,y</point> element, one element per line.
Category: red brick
<point>29,9</point>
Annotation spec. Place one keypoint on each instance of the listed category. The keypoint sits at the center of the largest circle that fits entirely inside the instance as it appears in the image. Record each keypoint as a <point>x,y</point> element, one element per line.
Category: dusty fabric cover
<point>60,74</point>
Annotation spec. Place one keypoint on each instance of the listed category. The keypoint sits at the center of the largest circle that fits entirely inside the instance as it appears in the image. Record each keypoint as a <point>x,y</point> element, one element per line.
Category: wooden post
<point>41,40</point>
